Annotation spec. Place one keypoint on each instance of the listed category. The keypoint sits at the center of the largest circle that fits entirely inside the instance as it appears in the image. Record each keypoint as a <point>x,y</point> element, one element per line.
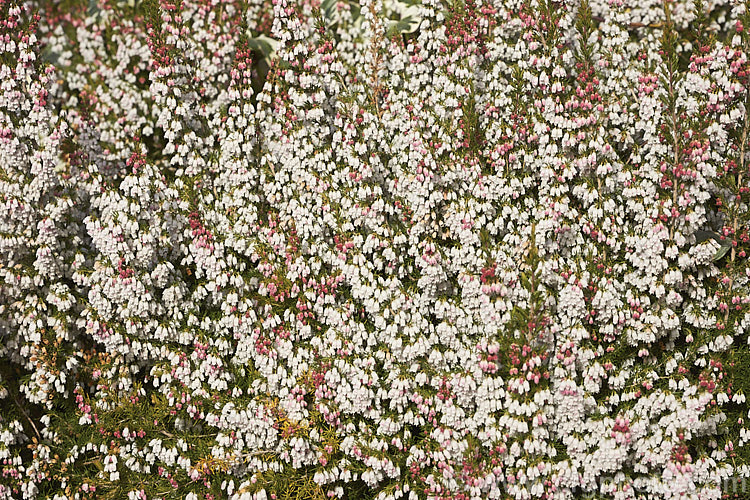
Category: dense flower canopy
<point>439,249</point>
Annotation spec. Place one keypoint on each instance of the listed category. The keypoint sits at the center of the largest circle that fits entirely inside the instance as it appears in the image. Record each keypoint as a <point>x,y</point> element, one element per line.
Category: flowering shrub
<point>439,249</point>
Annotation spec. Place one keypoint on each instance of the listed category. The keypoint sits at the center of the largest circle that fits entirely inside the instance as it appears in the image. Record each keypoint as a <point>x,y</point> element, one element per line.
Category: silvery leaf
<point>721,252</point>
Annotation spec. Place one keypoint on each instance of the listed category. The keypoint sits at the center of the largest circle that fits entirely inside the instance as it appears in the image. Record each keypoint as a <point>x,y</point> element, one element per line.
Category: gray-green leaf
<point>263,44</point>
<point>93,8</point>
<point>721,252</point>
<point>701,236</point>
<point>328,9</point>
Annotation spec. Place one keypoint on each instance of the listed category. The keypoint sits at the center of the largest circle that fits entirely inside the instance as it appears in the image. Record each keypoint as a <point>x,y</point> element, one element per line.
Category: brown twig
<point>20,407</point>
<point>377,59</point>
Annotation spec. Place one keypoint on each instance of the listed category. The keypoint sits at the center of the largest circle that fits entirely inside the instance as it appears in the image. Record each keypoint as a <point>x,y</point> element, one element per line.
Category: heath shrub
<point>444,249</point>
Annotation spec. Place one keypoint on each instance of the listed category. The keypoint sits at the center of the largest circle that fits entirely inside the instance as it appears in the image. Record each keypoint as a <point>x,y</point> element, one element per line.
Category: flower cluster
<point>378,249</point>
